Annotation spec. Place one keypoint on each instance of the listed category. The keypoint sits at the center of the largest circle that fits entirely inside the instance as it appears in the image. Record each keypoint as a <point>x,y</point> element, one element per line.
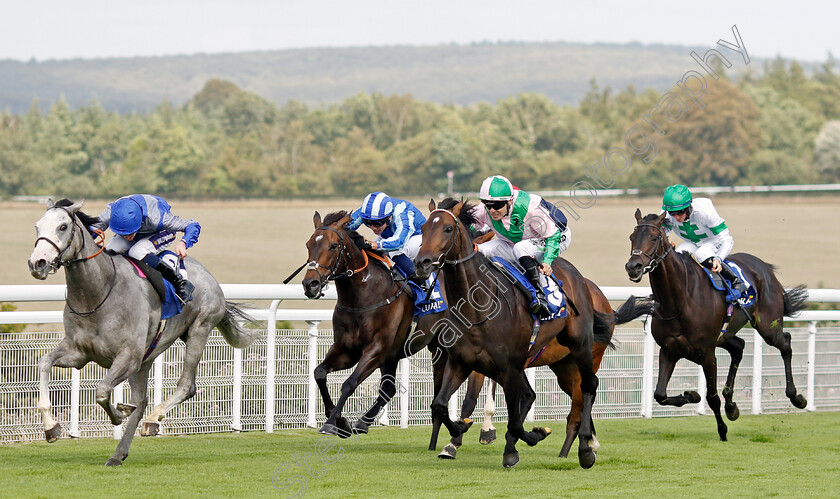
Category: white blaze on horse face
<point>318,238</point>
<point>47,227</point>
<point>436,219</point>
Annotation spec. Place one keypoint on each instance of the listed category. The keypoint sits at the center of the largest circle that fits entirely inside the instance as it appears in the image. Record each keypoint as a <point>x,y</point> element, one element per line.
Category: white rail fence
<point>270,385</point>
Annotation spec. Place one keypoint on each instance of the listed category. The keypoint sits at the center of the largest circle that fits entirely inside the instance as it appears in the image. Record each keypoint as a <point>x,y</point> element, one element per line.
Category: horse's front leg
<point>667,363</point>
<point>735,347</point>
<point>712,397</point>
<point>335,360</point>
<point>139,383</point>
<point>64,355</point>
<point>371,360</point>
<point>454,375</point>
<point>126,363</point>
<point>488,431</point>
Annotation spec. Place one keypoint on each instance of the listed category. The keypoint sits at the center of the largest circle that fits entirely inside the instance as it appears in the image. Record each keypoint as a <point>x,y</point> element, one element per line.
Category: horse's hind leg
<point>568,378</point>
<point>474,385</point>
<point>735,347</point>
<point>64,355</point>
<point>774,335</point>
<point>488,431</point>
<point>139,386</point>
<point>712,397</point>
<point>454,374</point>
<point>519,396</point>
<point>387,390</point>
<point>126,363</point>
<point>197,335</point>
<point>438,366</point>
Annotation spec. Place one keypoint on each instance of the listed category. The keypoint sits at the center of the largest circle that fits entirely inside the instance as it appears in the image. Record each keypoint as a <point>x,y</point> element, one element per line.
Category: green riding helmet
<point>676,198</point>
<point>496,188</point>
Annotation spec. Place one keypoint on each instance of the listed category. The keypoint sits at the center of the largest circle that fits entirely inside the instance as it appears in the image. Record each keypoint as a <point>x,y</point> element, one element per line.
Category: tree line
<point>781,126</point>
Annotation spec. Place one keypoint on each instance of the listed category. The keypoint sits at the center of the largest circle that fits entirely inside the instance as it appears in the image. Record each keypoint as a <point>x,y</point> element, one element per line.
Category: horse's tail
<point>633,308</point>
<point>232,330</point>
<point>603,326</point>
<point>795,300</point>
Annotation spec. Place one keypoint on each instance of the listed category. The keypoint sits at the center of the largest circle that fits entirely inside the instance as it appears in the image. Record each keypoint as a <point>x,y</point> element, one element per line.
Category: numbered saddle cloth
<point>434,304</point>
<point>170,304</point>
<point>552,288</point>
<point>732,295</point>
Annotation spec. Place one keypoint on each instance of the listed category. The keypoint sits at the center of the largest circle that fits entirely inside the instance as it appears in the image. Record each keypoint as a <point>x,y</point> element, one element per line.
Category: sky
<point>69,29</point>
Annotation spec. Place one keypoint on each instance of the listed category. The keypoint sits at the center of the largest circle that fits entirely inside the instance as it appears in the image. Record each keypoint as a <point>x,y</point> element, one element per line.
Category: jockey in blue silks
<point>397,224</point>
<point>144,227</point>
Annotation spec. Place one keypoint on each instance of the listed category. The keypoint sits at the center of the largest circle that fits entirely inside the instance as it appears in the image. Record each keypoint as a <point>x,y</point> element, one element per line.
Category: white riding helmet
<point>496,188</point>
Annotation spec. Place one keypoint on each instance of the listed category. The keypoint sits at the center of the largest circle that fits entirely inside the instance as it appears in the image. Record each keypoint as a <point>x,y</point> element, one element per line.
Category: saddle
<point>555,296</point>
<point>170,305</point>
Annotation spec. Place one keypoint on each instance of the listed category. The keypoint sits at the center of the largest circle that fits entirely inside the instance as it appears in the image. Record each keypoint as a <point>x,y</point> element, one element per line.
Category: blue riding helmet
<point>126,217</point>
<point>376,206</point>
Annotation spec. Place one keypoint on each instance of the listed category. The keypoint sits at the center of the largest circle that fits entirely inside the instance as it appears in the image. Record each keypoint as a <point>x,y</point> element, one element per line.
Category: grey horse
<point>112,317</point>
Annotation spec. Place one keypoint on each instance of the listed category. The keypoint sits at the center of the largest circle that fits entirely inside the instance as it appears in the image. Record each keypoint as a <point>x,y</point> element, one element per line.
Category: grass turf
<point>786,455</point>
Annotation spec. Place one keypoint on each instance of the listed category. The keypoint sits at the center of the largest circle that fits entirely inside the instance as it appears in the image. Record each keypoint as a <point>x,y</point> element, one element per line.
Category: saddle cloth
<point>552,288</point>
<point>732,295</point>
<point>170,304</point>
<point>422,307</point>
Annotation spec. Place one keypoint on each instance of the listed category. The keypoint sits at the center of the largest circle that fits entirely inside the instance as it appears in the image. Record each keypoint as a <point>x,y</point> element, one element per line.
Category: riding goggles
<point>677,213</point>
<point>495,205</point>
<point>375,223</point>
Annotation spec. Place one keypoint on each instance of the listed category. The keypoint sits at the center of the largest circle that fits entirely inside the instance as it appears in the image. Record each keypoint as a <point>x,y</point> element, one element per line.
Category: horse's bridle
<point>57,263</point>
<point>653,259</point>
<point>441,261</point>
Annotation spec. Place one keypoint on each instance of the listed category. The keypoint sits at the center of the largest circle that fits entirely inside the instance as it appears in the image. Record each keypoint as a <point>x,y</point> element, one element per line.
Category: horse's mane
<point>355,237</point>
<point>465,216</point>
<point>86,219</point>
<point>681,255</point>
<point>334,217</point>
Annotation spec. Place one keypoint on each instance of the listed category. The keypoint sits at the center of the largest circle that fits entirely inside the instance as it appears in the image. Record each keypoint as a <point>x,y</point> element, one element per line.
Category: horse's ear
<point>662,217</point>
<point>344,221</point>
<point>317,219</point>
<point>73,208</point>
<point>456,210</point>
<point>50,203</point>
<point>432,205</point>
<point>638,215</point>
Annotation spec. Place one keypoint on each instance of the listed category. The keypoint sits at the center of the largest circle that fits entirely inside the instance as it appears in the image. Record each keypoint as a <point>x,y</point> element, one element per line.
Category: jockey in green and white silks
<point>528,230</point>
<point>706,235</point>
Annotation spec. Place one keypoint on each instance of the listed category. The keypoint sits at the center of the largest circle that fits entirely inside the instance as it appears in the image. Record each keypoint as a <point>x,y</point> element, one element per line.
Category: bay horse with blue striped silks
<point>112,317</point>
<point>689,315</point>
<point>371,322</point>
<point>497,327</point>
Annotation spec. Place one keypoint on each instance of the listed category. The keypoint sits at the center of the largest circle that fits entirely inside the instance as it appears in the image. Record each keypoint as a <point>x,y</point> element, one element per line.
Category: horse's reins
<point>57,263</point>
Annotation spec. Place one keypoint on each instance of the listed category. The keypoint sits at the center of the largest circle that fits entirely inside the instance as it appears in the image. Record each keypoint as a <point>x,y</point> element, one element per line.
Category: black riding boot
<point>739,285</point>
<point>532,272</point>
<point>183,287</point>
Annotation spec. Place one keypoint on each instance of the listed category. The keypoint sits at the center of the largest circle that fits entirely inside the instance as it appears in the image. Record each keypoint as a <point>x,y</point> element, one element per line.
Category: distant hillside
<point>460,74</point>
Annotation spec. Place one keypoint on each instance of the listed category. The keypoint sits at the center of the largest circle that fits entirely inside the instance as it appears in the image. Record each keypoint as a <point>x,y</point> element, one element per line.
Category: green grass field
<point>791,455</point>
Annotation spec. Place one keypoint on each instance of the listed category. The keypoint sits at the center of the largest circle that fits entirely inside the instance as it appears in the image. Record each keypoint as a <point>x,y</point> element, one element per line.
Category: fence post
<point>311,364</point>
<point>757,368</point>
<point>75,388</point>
<point>118,399</point>
<point>270,364</point>
<point>812,365</point>
<point>405,373</point>
<point>531,374</point>
<point>236,403</point>
<point>158,366</point>
<point>701,389</point>
<point>647,371</point>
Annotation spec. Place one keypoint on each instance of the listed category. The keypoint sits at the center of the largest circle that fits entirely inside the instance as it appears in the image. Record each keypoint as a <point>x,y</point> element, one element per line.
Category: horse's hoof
<point>330,429</point>
<point>732,411</point>
<point>541,433</point>
<point>487,437</point>
<point>448,452</point>
<point>53,433</point>
<point>722,432</point>
<point>510,460</point>
<point>586,458</point>
<point>149,429</point>
<point>692,397</point>
<point>799,402</point>
<point>114,462</point>
<point>125,410</point>
<point>360,427</point>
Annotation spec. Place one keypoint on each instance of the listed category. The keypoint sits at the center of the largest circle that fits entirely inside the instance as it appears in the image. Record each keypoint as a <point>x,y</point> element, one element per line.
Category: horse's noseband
<point>57,262</point>
<point>441,261</point>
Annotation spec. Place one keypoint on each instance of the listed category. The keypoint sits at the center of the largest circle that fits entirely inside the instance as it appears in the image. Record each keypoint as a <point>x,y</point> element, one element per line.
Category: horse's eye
<point>333,246</point>
<point>448,229</point>
<point>62,227</point>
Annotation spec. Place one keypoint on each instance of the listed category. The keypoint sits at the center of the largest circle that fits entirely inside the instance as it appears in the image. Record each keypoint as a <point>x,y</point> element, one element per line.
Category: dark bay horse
<point>562,363</point>
<point>112,317</point>
<point>689,315</point>
<point>371,321</point>
<point>491,328</point>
